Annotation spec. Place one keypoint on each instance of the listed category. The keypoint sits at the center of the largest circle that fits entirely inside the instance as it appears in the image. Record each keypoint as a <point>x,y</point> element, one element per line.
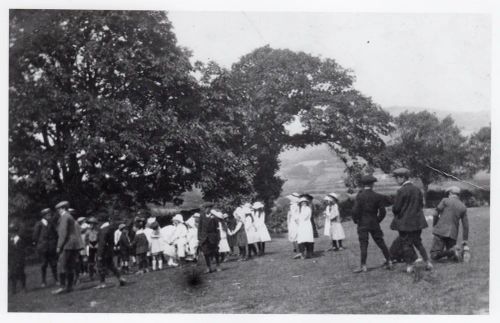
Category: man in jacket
<point>209,237</point>
<point>368,212</point>
<point>68,247</point>
<point>105,251</point>
<point>409,218</point>
<point>45,241</point>
<point>449,212</point>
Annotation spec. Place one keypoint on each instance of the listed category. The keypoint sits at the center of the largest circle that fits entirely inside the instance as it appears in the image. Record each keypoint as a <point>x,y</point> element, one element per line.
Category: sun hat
<point>45,211</point>
<point>62,204</point>
<point>401,172</point>
<point>178,218</point>
<point>453,189</point>
<point>257,205</point>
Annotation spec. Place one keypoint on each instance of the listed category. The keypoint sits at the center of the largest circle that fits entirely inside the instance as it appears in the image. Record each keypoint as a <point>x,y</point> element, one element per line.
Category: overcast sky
<point>434,61</point>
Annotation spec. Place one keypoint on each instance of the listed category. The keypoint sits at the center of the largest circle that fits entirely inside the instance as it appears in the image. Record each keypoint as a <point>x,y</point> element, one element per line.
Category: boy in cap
<point>91,241</point>
<point>16,259</point>
<point>68,247</point>
<point>124,246</point>
<point>409,218</point>
<point>449,212</point>
<point>368,212</point>
<point>105,252</point>
<point>45,242</point>
<point>209,237</point>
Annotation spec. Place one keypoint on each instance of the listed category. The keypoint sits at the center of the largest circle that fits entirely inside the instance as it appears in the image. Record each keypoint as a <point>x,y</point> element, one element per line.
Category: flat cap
<point>62,204</point>
<point>401,172</point>
<point>453,189</point>
<point>45,211</point>
<point>307,196</point>
<point>368,179</point>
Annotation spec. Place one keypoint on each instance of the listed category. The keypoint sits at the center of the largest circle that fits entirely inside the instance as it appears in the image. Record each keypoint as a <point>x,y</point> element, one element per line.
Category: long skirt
<point>224,245</point>
<point>241,238</point>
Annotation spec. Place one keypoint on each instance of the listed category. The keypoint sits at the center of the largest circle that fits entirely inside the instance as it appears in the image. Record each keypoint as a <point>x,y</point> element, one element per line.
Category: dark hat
<point>368,179</point>
<point>121,226</point>
<point>45,211</point>
<point>401,172</point>
<point>62,204</point>
<point>308,196</point>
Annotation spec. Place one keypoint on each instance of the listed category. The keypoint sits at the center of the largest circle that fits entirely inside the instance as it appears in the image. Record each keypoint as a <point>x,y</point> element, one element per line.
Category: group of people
<point>72,246</point>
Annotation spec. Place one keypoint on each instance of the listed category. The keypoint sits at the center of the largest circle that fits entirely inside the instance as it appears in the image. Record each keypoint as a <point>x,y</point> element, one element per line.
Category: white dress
<point>292,222</point>
<point>260,225</point>
<point>223,244</point>
<point>156,242</point>
<point>192,241</point>
<point>167,234</point>
<point>180,239</point>
<point>251,230</point>
<point>333,226</point>
<point>305,229</point>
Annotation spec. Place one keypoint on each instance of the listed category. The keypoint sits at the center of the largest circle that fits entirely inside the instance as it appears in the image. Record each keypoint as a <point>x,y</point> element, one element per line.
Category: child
<point>140,245</point>
<point>124,246</point>
<point>180,237</point>
<point>223,244</point>
<point>260,224</point>
<point>91,243</point>
<point>16,261</point>
<point>156,247</point>
<point>333,224</point>
<point>192,239</point>
<point>239,233</point>
<point>251,231</point>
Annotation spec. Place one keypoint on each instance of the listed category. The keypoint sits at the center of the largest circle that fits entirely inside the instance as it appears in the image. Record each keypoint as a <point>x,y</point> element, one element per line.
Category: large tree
<point>479,145</point>
<point>102,106</point>
<point>426,146</point>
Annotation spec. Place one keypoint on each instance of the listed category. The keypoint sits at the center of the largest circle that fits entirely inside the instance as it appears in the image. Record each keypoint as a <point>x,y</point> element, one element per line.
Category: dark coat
<point>369,209</point>
<point>45,237</point>
<point>140,244</point>
<point>408,209</point>
<point>106,241</point>
<point>124,244</point>
<point>208,230</point>
<point>16,253</point>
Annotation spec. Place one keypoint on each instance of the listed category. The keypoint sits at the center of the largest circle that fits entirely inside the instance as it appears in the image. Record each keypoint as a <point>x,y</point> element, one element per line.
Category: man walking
<point>409,218</point>
<point>449,213</point>
<point>68,247</point>
<point>209,237</point>
<point>368,212</point>
<point>45,241</point>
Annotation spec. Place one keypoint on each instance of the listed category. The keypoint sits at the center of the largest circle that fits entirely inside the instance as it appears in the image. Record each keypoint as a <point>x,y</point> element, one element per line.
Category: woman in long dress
<point>333,224</point>
<point>260,224</point>
<point>292,219</point>
<point>305,235</point>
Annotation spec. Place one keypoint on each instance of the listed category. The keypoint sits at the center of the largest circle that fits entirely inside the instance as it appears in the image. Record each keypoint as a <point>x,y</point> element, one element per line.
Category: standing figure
<point>239,233</point>
<point>125,246</point>
<point>260,223</point>
<point>45,241</point>
<point>68,247</point>
<point>409,218</point>
<point>333,222</point>
<point>169,249</point>
<point>192,239</point>
<point>449,213</point>
<point>106,252</point>
<point>292,219</point>
<point>140,246</point>
<point>367,213</point>
<point>16,259</point>
<point>251,232</point>
<point>156,246</point>
<point>305,233</point>
<point>209,237</point>
<point>223,244</point>
<point>91,241</point>
<point>180,237</point>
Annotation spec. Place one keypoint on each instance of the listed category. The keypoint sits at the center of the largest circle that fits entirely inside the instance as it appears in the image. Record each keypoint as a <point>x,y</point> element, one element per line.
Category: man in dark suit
<point>368,212</point>
<point>209,236</point>
<point>69,243</point>
<point>45,241</point>
<point>105,251</point>
<point>409,219</point>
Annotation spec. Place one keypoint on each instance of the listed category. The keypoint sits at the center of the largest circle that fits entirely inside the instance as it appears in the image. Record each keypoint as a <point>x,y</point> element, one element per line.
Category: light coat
<point>305,231</point>
<point>293,222</point>
<point>333,225</point>
<point>260,226</point>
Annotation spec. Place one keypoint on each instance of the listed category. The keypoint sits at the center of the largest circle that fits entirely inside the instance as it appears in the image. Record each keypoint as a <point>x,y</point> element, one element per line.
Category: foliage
<point>479,145</point>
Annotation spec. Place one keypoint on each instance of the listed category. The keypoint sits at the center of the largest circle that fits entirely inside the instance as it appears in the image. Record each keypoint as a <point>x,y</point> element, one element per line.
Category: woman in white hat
<point>333,224</point>
<point>305,234</point>
<point>292,219</point>
<point>259,217</point>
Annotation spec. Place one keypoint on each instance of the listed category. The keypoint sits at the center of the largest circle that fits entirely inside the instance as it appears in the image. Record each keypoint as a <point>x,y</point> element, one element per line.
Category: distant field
<point>277,284</point>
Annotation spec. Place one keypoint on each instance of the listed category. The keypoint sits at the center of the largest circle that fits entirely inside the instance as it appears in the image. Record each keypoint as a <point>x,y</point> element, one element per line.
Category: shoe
<point>361,269</point>
<point>59,291</point>
<point>100,286</point>
<point>429,266</point>
<point>123,282</point>
<point>297,256</point>
<point>410,269</point>
<point>341,248</point>
<point>218,269</point>
<point>388,265</point>
<point>458,255</point>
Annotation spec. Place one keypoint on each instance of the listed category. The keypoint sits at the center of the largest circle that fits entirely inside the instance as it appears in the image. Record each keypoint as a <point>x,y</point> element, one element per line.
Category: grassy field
<point>277,284</point>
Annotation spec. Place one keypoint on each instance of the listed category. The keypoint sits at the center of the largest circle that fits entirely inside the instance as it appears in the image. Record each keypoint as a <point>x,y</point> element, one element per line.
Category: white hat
<point>257,205</point>
<point>248,205</point>
<point>328,198</point>
<point>151,220</point>
<point>216,213</point>
<point>303,199</point>
<point>190,222</point>
<point>335,196</point>
<point>453,189</point>
<point>196,215</point>
<point>178,218</point>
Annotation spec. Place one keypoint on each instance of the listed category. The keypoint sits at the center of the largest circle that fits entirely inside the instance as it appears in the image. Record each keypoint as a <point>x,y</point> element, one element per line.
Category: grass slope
<point>277,284</point>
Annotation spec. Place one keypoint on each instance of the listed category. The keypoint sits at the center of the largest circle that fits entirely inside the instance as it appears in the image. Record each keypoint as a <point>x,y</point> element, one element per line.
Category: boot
<point>361,269</point>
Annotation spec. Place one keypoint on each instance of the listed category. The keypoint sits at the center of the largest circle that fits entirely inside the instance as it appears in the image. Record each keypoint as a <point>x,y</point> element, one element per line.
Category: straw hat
<point>62,204</point>
<point>257,205</point>
<point>178,218</point>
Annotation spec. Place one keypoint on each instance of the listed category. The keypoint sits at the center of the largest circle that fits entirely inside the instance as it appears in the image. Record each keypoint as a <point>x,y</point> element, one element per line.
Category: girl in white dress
<point>180,236</point>
<point>192,239</point>
<point>223,243</point>
<point>333,224</point>
<point>251,231</point>
<point>169,252</point>
<point>156,247</point>
<point>292,219</point>
<point>305,234</point>
<point>259,217</point>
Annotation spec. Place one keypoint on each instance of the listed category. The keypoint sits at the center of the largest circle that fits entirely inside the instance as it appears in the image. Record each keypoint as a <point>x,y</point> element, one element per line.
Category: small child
<point>16,254</point>
<point>169,251</point>
<point>192,239</point>
<point>223,243</point>
<point>141,247</point>
<point>333,222</point>
<point>156,247</point>
<point>124,245</point>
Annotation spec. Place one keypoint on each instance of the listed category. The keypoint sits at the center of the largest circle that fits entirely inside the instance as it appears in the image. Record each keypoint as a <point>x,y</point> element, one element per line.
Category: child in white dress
<point>333,222</point>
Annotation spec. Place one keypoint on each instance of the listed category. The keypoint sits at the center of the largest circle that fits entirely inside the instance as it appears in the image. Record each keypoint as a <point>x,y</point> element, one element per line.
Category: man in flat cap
<point>209,236</point>
<point>368,212</point>
<point>68,247</point>
<point>45,241</point>
<point>449,212</point>
<point>409,219</point>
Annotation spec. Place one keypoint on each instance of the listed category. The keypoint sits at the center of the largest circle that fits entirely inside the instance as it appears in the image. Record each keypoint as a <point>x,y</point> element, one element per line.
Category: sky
<point>432,61</point>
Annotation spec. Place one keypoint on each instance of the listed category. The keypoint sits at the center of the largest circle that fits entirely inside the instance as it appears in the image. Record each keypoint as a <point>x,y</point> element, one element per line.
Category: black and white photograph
<point>247,161</point>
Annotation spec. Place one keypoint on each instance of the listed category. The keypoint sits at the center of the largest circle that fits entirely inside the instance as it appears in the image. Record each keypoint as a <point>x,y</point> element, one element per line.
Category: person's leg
<point>45,263</point>
<point>53,265</point>
<point>407,247</point>
<point>363,245</point>
<point>263,247</point>
<point>72,259</point>
<point>438,248</point>
<point>378,237</point>
<point>340,244</point>
<point>417,242</point>
<point>334,245</point>
<point>295,246</point>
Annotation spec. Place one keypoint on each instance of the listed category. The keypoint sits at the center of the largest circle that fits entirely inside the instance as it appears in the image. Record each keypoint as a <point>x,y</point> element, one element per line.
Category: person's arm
<point>63,233</point>
<point>381,209</point>
<point>355,211</point>
<point>36,233</point>
<point>398,203</point>
<point>465,229</point>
